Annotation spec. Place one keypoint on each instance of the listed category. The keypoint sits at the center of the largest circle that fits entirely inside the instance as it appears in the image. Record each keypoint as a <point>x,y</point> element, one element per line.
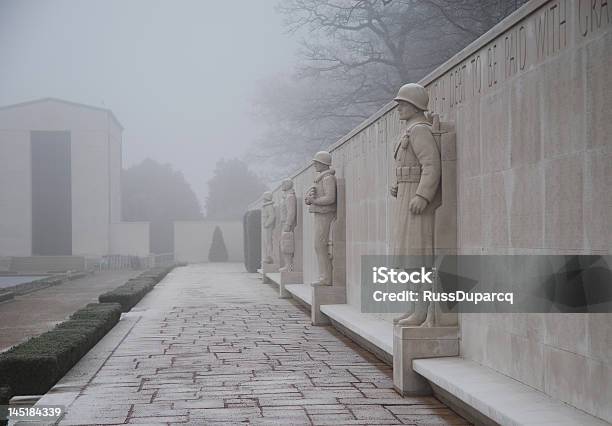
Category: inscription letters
<point>592,15</point>
<point>537,37</point>
<point>551,31</point>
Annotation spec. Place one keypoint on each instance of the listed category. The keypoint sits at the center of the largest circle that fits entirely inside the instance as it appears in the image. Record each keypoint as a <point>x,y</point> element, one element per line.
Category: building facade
<point>60,189</point>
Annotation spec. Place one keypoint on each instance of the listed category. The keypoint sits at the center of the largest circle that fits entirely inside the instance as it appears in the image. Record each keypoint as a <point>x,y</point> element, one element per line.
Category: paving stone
<point>158,420</point>
<point>225,414</point>
<point>370,412</point>
<point>434,420</point>
<point>333,418</point>
<point>200,403</point>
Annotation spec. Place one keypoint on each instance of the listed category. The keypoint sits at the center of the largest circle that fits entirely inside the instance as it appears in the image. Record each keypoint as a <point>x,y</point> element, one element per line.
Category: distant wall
<point>531,100</point>
<point>192,240</point>
<point>90,208</point>
<point>38,264</point>
<point>130,239</point>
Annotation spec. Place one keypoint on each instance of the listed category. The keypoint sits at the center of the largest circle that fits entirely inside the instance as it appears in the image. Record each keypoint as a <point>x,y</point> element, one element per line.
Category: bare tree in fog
<point>354,56</point>
<point>156,193</point>
<point>231,189</point>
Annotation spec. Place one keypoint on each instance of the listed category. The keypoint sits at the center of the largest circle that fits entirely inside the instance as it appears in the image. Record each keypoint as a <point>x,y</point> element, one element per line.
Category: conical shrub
<point>218,251</point>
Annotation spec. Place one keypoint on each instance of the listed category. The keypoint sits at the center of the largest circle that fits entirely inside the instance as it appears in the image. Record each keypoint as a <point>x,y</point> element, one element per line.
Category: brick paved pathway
<point>215,346</point>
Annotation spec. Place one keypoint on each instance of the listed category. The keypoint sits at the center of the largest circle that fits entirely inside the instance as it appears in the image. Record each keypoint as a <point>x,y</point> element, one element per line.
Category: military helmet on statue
<point>323,157</point>
<point>286,184</point>
<point>415,94</point>
<point>267,196</point>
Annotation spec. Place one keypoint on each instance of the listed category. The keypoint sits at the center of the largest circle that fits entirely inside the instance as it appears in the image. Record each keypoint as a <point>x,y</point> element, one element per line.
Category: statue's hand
<point>417,204</point>
<point>307,200</point>
<point>286,228</point>
<point>394,191</point>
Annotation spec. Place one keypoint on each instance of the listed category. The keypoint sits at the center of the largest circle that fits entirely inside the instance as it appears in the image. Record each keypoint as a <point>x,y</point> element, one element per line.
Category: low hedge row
<point>7,295</point>
<point>5,396</point>
<point>34,366</point>
<point>130,293</point>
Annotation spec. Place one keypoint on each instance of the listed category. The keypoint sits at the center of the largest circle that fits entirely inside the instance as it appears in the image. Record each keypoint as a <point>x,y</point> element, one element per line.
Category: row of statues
<point>288,221</point>
<point>416,187</point>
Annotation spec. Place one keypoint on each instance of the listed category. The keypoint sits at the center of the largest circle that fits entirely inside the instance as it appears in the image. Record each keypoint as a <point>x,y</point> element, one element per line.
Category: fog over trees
<point>156,193</point>
<point>231,189</point>
<point>354,56</point>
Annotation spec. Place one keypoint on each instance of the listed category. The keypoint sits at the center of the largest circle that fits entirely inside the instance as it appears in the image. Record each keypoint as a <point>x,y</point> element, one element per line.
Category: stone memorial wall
<point>531,102</point>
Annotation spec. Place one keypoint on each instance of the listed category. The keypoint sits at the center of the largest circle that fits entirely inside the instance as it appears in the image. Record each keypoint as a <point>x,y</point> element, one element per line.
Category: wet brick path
<point>214,345</point>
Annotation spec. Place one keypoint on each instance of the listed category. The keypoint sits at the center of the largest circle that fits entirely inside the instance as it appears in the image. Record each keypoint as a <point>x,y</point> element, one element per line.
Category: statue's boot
<point>321,282</point>
<point>429,320</point>
<point>416,318</point>
<point>288,264</point>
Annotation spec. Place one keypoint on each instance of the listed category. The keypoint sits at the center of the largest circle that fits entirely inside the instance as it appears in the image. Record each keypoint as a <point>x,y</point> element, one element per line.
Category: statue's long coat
<point>417,171</point>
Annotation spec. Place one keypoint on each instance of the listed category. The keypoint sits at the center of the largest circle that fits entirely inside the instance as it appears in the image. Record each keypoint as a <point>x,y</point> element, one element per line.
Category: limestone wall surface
<point>15,195</point>
<point>130,238</point>
<point>532,104</point>
<point>534,160</point>
<point>90,192</point>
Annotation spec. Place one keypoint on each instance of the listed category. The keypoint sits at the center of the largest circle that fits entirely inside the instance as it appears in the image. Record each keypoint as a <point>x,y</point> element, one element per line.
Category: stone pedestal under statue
<point>325,295</point>
<point>410,343</point>
<point>286,278</point>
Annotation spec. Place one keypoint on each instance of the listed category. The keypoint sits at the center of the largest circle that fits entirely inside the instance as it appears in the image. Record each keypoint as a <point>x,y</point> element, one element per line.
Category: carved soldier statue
<point>417,174</point>
<point>268,220</point>
<point>321,199</point>
<point>288,222</point>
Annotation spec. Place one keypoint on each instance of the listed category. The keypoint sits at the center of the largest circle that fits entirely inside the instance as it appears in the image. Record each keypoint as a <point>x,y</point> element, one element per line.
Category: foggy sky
<point>180,75</point>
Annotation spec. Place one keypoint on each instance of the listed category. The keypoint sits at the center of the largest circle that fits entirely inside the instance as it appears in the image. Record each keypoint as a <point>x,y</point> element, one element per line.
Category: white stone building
<point>60,191</point>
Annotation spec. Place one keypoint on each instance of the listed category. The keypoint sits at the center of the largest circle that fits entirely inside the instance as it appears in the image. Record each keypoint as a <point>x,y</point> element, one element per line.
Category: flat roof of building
<point>78,104</point>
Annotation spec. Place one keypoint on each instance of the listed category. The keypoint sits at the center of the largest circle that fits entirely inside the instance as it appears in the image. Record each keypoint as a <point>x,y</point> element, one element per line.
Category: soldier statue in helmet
<point>288,213</point>
<point>321,199</point>
<point>268,219</point>
<point>416,185</point>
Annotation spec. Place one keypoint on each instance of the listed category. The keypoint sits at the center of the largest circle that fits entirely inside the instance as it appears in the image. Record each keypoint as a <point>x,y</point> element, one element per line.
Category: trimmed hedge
<point>5,396</point>
<point>130,293</point>
<point>252,240</point>
<point>217,251</point>
<point>7,295</point>
<point>33,367</point>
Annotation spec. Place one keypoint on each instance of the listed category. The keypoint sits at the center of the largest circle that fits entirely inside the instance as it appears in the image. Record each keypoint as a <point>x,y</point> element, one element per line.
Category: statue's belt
<point>408,173</point>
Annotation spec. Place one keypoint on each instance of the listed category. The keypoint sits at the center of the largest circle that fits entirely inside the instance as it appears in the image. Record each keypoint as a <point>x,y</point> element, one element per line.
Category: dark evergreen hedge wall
<point>252,240</point>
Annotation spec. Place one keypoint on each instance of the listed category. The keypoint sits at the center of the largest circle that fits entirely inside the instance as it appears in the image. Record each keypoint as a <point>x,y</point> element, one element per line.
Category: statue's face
<point>287,185</point>
<point>319,167</point>
<point>406,110</point>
